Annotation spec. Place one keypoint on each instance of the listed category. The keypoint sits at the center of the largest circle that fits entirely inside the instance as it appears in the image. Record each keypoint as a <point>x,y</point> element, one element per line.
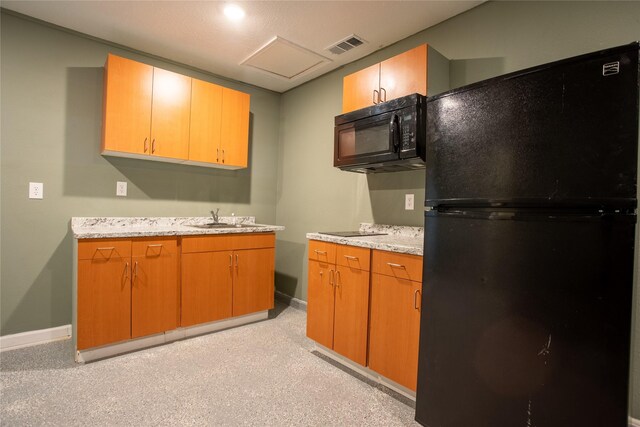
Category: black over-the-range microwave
<point>386,137</point>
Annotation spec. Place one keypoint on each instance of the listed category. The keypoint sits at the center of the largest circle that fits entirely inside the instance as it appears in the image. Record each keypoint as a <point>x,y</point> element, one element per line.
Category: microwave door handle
<point>394,133</point>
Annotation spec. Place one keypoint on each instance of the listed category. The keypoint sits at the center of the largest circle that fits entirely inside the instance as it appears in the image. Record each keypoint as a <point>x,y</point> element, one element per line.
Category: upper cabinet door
<point>206,117</point>
<point>170,114</point>
<point>404,74</point>
<point>127,106</point>
<point>234,133</point>
<point>360,89</point>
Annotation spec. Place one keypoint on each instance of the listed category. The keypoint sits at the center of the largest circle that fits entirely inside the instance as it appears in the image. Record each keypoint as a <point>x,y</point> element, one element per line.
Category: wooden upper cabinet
<point>128,87</point>
<point>219,125</point>
<point>404,74</point>
<point>170,114</point>
<point>360,89</point>
<point>155,114</point>
<point>419,70</point>
<point>206,118</point>
<point>234,133</point>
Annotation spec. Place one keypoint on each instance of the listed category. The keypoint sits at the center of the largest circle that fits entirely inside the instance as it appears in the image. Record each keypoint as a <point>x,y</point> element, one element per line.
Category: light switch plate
<point>121,188</point>
<point>36,190</point>
<point>408,202</point>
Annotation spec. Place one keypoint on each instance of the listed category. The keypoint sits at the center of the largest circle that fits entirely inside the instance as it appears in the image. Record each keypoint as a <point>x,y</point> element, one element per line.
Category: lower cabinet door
<point>351,314</point>
<point>104,301</point>
<point>206,287</point>
<point>395,328</point>
<point>154,293</point>
<point>253,277</point>
<point>320,305</point>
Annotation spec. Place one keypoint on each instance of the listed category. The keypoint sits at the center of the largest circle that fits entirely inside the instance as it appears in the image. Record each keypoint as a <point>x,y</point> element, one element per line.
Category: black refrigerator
<point>530,215</point>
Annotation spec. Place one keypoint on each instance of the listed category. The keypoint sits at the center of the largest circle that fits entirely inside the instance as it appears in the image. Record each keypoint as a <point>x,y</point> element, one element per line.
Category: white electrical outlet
<point>408,202</point>
<point>36,190</point>
<point>121,188</point>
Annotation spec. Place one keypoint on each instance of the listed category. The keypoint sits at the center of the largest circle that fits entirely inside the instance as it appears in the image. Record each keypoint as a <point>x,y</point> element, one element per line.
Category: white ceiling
<point>197,33</point>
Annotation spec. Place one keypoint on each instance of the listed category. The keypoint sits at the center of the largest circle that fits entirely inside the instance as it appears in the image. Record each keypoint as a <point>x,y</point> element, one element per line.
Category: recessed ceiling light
<point>233,12</point>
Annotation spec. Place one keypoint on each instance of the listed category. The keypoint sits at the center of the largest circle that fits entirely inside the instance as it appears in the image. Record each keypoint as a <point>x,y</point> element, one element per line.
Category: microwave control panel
<point>407,126</point>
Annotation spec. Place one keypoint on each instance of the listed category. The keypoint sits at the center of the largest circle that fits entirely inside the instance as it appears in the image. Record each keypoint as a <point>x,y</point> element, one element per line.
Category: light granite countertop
<point>401,239</point>
<point>112,227</point>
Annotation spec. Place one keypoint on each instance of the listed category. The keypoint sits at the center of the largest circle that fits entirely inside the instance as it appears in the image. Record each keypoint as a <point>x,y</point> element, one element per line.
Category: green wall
<point>492,39</point>
<point>51,101</point>
<point>51,105</point>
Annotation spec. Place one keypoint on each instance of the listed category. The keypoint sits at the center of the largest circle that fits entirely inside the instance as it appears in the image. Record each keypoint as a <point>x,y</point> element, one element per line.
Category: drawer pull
<point>110,248</point>
<point>155,246</point>
<point>415,299</point>
<point>320,252</point>
<point>394,265</point>
<point>352,258</point>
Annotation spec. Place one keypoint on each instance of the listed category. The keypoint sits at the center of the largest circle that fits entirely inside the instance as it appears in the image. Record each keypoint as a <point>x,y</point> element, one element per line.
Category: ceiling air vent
<point>346,44</point>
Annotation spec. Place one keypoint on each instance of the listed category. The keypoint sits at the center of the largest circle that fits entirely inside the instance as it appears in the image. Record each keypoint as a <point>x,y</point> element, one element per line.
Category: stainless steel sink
<point>223,225</point>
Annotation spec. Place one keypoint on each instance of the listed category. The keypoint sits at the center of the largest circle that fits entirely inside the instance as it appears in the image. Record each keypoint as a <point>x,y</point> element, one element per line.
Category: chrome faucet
<point>215,215</point>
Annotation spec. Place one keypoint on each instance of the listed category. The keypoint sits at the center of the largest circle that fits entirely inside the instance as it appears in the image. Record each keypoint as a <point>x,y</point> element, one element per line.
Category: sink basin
<point>223,225</point>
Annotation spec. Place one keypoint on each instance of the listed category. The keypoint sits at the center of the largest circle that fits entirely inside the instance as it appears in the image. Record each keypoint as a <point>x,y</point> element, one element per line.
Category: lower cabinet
<point>154,286</point>
<point>396,288</point>
<point>365,305</point>
<point>131,288</point>
<point>226,275</point>
<point>338,298</point>
<point>126,289</point>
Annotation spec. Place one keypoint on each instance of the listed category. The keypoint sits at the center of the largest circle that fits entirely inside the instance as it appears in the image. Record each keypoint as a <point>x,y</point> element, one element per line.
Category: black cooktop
<point>351,233</point>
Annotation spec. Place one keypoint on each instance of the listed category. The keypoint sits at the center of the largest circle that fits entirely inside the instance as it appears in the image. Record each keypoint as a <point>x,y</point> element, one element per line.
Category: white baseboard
<point>27,339</point>
<point>634,422</point>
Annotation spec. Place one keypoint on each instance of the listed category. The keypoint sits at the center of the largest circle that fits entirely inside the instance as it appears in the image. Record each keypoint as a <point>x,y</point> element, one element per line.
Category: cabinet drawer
<point>402,266</point>
<point>154,247</point>
<point>353,257</point>
<point>207,243</point>
<point>322,251</point>
<point>227,242</point>
<point>104,249</point>
<point>253,241</point>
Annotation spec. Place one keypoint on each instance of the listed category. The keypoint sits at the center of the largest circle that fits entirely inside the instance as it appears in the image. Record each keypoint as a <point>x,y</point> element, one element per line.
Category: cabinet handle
<point>135,270</point>
<point>394,265</point>
<point>223,155</point>
<point>126,270</point>
<point>153,146</point>
<point>331,272</point>
<point>236,260</point>
<point>320,252</point>
<point>159,245</point>
<point>217,154</point>
<point>146,144</point>
<point>352,258</point>
<point>376,98</point>
<point>385,94</point>
<point>110,248</point>
<point>337,278</point>
<point>230,260</point>
<point>415,299</point>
